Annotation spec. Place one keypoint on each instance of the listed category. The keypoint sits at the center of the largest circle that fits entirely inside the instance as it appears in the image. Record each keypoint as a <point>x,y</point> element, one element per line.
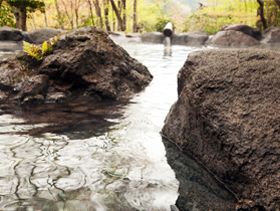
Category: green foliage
<point>32,50</point>
<point>158,25</point>
<point>220,13</point>
<point>46,48</point>
<point>271,13</point>
<point>150,13</point>
<point>27,5</point>
<point>86,21</point>
<point>161,23</point>
<point>6,17</point>
<point>38,52</point>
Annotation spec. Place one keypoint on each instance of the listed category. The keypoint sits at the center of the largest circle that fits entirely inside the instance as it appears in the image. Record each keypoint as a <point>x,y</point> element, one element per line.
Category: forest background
<point>139,15</point>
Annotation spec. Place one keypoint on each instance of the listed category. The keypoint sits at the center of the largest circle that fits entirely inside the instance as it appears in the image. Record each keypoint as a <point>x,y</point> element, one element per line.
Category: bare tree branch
<point>117,14</point>
<point>91,13</point>
<point>58,15</point>
<point>261,3</point>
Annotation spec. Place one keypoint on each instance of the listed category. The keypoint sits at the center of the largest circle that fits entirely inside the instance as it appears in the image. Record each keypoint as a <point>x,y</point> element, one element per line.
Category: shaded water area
<point>95,156</point>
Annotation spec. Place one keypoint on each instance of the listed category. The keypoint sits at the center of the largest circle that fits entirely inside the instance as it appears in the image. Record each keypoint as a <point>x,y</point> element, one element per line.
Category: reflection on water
<point>90,156</point>
<point>198,190</point>
<point>8,54</point>
<point>167,47</point>
<point>78,120</point>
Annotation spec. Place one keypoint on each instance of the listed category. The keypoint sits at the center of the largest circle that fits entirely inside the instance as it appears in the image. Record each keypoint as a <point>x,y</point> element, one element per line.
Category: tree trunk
<point>70,16</point>
<point>91,13</point>
<point>59,16</point>
<point>20,18</point>
<point>262,14</point>
<point>114,24</point>
<point>124,14</point>
<point>23,25</point>
<point>76,8</point>
<point>120,12</point>
<point>117,14</point>
<point>77,17</point>
<point>106,13</point>
<point>135,28</point>
<point>46,18</point>
<point>278,3</point>
<point>35,26</point>
<point>98,12</point>
<point>17,16</point>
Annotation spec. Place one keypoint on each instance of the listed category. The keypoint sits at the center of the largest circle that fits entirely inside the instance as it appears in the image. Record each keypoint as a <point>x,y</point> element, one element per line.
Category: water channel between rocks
<point>79,165</point>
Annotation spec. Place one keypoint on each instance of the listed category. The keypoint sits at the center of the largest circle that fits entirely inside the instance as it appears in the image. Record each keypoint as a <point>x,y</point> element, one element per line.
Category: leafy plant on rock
<point>38,52</point>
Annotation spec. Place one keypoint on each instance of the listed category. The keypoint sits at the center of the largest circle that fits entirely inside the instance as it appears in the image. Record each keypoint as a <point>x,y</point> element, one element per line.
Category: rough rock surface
<point>153,37</point>
<point>85,64</point>
<point>38,36</point>
<point>253,32</point>
<point>197,38</point>
<point>227,117</point>
<point>10,34</point>
<point>231,38</point>
<point>198,189</point>
<point>271,36</point>
<point>123,39</point>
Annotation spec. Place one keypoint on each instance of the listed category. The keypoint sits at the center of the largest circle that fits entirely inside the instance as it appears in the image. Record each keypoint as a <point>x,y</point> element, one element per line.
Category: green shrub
<point>161,23</point>
<point>6,17</point>
<point>220,13</point>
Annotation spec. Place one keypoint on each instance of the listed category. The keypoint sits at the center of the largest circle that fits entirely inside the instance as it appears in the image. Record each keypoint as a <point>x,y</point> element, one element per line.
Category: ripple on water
<point>85,168</point>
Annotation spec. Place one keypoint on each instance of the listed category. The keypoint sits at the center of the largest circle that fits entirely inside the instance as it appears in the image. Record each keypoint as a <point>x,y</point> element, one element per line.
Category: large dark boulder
<point>197,38</point>
<point>38,36</point>
<point>227,117</point>
<point>271,36</point>
<point>85,64</point>
<point>231,38</point>
<point>253,32</point>
<point>10,34</point>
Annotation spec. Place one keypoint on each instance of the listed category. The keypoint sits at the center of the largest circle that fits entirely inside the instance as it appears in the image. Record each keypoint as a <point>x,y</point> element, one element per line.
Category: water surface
<point>93,157</point>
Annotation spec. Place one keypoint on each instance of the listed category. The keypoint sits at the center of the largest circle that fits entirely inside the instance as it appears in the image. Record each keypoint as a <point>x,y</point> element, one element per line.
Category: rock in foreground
<point>227,117</point>
<point>85,64</point>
